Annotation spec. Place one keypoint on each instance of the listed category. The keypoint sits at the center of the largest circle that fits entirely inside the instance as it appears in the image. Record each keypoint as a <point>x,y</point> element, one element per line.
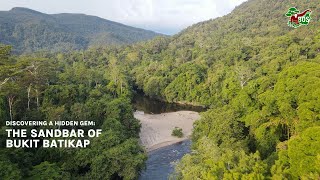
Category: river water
<point>153,106</point>
<point>161,162</point>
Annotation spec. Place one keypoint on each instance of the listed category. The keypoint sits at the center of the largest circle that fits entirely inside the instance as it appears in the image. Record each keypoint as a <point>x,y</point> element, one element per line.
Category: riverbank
<point>157,128</point>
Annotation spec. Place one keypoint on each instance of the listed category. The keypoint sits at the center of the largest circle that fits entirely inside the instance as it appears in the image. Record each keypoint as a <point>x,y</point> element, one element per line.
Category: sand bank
<point>157,128</point>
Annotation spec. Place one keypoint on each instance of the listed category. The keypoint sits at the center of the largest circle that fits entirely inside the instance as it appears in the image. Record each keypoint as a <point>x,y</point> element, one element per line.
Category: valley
<point>253,80</point>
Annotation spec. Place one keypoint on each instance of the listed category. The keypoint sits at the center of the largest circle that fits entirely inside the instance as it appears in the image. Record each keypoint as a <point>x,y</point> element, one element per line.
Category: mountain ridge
<point>28,31</point>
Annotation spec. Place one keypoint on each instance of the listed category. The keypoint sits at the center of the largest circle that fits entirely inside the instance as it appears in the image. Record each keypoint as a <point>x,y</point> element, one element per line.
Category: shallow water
<point>161,162</point>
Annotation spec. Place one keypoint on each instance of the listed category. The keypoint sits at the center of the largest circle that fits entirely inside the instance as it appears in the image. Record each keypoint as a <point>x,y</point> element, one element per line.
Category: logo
<point>298,19</point>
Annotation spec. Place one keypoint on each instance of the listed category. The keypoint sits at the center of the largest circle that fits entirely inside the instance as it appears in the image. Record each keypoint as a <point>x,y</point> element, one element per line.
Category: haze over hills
<point>28,31</point>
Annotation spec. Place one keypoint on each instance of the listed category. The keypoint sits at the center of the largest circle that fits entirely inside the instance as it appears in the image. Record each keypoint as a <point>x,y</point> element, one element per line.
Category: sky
<point>163,16</point>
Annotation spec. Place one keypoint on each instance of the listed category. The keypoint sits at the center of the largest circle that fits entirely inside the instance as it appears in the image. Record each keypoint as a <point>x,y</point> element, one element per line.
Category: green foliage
<point>155,86</point>
<point>47,170</point>
<point>263,88</point>
<point>3,111</point>
<point>221,126</point>
<point>8,170</point>
<point>303,152</point>
<point>212,162</point>
<point>299,157</point>
<point>46,87</point>
<point>259,77</point>
<point>298,94</point>
<point>124,160</point>
<point>29,31</point>
<point>177,132</point>
<point>186,84</point>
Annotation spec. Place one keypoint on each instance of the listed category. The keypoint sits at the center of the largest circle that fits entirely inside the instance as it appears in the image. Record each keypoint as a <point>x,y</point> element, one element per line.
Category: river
<point>153,106</point>
<point>161,162</point>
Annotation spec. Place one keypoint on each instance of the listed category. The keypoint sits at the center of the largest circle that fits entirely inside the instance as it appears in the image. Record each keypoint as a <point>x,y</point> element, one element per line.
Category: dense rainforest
<point>259,78</point>
<point>72,87</point>
<point>29,31</point>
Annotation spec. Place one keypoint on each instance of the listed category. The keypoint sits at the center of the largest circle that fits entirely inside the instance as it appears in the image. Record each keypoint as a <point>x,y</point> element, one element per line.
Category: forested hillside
<point>259,77</point>
<point>71,87</point>
<point>28,31</point>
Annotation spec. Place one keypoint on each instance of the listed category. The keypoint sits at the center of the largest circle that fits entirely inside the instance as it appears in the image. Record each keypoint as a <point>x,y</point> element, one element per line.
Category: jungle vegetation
<point>259,78</point>
<point>29,31</point>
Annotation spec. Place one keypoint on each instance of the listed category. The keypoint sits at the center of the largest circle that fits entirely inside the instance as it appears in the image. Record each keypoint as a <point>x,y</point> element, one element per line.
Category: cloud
<point>172,15</point>
<point>166,16</point>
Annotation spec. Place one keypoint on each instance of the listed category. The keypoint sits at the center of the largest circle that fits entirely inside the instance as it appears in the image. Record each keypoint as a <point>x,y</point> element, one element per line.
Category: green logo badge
<point>298,19</point>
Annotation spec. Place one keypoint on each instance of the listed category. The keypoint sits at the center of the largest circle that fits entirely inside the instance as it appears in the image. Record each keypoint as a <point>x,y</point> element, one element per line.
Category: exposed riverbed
<point>156,129</point>
<point>158,120</point>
